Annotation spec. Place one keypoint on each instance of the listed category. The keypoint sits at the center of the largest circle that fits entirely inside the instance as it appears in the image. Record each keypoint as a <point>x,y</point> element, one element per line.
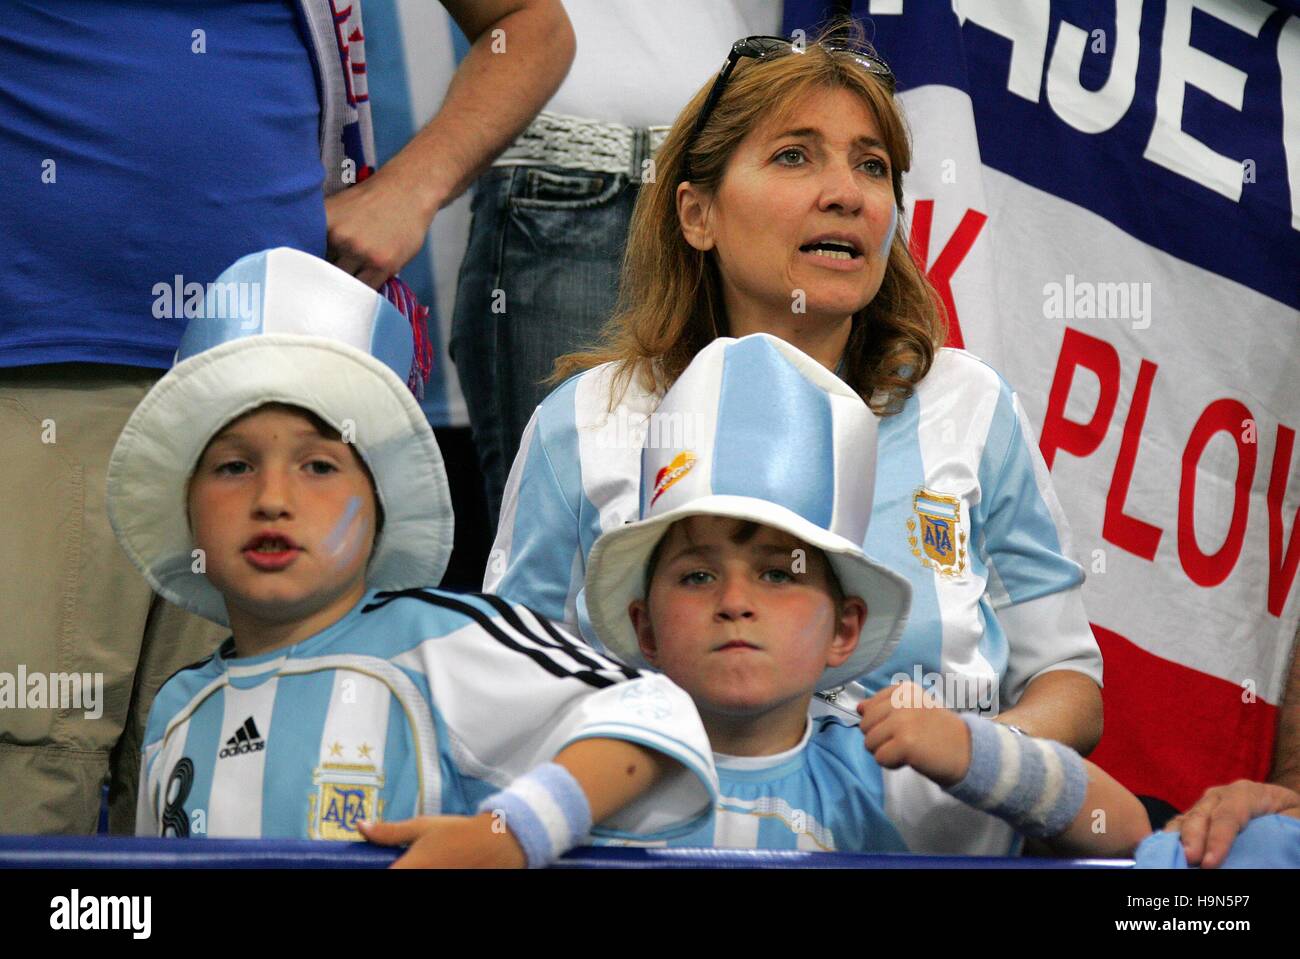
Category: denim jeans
<point>539,279</point>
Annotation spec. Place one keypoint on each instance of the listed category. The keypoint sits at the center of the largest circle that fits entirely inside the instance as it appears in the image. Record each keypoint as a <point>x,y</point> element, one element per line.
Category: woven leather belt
<point>553,139</point>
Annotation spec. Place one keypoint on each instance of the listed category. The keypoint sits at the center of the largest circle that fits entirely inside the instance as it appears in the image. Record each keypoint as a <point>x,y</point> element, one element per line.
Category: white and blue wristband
<point>546,810</point>
<point>1036,785</point>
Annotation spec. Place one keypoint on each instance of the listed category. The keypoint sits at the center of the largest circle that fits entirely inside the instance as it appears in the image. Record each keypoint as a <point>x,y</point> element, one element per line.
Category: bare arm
<point>494,95</point>
<point>611,772</point>
<point>521,52</point>
<point>906,726</point>
<point>1064,705</point>
<point>1111,823</point>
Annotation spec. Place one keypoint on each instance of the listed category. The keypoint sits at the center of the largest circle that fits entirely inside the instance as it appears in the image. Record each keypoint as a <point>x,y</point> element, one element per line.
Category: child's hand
<point>903,725</point>
<point>449,842</point>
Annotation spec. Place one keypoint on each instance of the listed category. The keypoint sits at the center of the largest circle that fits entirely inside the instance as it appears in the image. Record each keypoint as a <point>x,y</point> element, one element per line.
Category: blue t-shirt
<point>826,794</point>
<point>140,141</point>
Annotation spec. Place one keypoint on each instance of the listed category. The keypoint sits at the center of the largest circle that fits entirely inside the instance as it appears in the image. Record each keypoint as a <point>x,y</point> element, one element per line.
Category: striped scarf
<point>359,147</point>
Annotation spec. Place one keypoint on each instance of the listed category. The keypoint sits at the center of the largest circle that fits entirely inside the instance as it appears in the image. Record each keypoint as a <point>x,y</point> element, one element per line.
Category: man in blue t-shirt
<point>146,145</point>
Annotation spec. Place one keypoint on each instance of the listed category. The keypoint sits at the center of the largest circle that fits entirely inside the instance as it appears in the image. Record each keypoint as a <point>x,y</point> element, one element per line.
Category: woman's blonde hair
<point>670,303</point>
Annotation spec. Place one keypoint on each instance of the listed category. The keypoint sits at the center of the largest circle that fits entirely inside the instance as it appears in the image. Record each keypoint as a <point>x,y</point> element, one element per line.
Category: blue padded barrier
<point>126,852</point>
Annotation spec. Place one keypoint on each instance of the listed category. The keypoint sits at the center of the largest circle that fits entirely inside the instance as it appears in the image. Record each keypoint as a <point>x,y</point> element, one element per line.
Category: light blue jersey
<point>963,507</point>
<point>415,703</point>
<point>826,794</point>
<point>829,794</point>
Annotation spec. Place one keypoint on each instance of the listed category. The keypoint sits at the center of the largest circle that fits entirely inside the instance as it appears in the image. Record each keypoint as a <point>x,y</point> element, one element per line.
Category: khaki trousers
<point>71,602</point>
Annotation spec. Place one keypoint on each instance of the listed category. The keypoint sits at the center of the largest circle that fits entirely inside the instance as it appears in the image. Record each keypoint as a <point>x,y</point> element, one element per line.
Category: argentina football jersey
<point>963,508</point>
<point>825,795</point>
<point>417,702</point>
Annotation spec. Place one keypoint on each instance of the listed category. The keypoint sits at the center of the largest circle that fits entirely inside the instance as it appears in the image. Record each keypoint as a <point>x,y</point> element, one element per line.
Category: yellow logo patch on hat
<point>681,465</point>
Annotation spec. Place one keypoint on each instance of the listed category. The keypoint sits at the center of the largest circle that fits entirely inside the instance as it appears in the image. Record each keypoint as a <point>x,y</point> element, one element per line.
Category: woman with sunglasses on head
<point>776,209</point>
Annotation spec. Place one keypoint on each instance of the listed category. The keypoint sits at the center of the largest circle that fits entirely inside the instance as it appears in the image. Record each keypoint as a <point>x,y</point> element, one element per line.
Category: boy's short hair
<point>324,430</point>
<point>742,532</point>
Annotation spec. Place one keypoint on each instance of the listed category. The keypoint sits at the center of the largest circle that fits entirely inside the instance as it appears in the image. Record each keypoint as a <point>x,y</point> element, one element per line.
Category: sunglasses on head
<point>765,48</point>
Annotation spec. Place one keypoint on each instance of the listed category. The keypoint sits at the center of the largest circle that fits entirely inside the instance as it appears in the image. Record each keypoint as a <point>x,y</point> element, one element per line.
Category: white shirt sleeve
<point>1035,584</point>
<point>514,690</point>
<point>1060,616</point>
<point>537,542</point>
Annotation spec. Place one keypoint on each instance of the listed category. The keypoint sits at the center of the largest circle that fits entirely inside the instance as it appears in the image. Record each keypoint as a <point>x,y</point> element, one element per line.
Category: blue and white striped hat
<point>282,326</point>
<point>756,430</point>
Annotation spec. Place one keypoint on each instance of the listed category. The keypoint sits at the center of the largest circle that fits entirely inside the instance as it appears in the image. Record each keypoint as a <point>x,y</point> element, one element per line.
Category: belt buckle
<point>657,136</point>
<point>640,153</point>
<point>646,142</point>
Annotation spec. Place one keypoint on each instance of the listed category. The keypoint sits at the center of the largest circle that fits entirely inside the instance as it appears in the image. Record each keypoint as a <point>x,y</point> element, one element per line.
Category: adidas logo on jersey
<point>246,740</point>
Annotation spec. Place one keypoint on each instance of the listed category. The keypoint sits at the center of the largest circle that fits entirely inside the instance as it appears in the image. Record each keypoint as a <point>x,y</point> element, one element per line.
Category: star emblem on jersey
<point>346,794</point>
<point>940,543</point>
<point>245,740</point>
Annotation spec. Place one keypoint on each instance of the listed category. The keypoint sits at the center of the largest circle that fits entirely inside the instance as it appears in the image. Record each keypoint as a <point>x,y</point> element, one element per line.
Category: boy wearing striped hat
<point>282,480</point>
<point>744,581</point>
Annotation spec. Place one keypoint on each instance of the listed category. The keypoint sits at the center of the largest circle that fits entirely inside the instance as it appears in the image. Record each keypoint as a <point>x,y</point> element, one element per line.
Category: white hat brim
<point>616,575</point>
<point>149,471</point>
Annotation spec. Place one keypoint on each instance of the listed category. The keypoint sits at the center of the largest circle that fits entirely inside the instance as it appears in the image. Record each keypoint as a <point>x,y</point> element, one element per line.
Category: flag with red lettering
<point>1107,198</point>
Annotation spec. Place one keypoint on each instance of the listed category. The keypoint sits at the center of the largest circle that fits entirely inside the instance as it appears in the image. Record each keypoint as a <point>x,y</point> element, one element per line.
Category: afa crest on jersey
<point>935,532</point>
<point>346,794</point>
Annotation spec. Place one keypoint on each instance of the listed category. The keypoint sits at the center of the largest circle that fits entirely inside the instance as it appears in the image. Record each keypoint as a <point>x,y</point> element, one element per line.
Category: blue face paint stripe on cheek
<point>335,538</point>
<point>352,544</point>
<point>889,236</point>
